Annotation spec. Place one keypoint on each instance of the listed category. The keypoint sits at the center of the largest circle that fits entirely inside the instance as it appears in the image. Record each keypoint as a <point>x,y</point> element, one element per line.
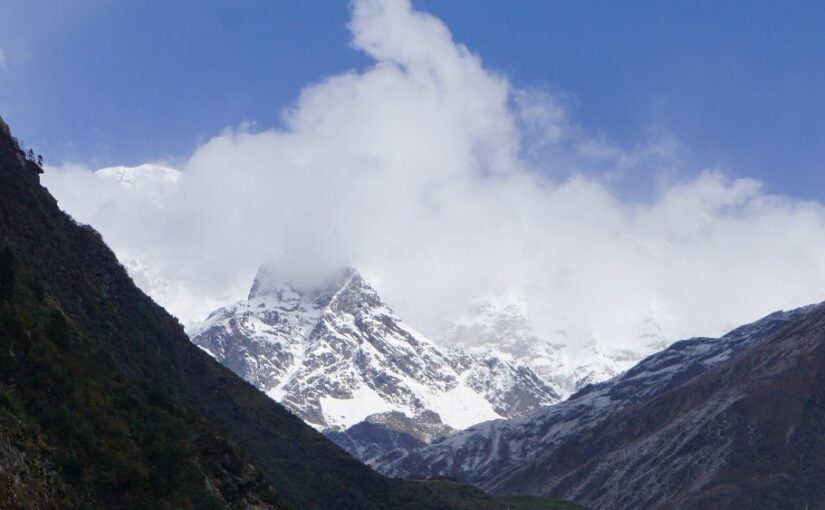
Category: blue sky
<point>740,84</point>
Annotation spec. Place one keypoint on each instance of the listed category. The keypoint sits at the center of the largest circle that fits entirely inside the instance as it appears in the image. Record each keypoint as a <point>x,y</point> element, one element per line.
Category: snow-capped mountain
<point>152,182</point>
<point>494,454</point>
<point>500,323</point>
<point>335,354</point>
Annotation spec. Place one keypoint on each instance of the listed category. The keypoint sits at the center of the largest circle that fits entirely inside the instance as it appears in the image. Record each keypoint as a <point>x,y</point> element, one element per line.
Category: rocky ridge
<point>494,454</point>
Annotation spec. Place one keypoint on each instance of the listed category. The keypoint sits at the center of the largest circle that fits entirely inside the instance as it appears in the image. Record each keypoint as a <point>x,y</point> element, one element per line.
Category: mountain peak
<point>141,175</point>
<point>269,281</point>
<point>152,183</point>
<point>332,351</point>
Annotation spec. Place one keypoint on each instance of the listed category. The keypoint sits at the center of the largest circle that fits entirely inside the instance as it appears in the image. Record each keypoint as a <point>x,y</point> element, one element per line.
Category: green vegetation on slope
<point>77,433</point>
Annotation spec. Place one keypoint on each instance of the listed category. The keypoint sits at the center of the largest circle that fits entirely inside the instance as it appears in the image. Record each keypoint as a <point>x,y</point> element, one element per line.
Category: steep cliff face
<point>105,403</point>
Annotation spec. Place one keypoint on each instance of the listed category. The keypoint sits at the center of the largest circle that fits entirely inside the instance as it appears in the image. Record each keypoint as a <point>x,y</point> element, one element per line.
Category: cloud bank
<point>443,182</point>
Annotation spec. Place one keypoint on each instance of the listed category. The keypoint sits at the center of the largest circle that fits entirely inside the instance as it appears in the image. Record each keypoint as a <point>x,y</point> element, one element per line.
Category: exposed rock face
<point>383,432</point>
<point>335,354</point>
<point>26,475</point>
<point>703,423</point>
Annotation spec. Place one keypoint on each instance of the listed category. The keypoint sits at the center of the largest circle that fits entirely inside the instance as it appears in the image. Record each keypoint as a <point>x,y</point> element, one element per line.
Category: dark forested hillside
<point>104,402</point>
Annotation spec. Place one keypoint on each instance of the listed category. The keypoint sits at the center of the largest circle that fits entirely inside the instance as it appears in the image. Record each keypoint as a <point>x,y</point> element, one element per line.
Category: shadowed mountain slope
<point>748,434</point>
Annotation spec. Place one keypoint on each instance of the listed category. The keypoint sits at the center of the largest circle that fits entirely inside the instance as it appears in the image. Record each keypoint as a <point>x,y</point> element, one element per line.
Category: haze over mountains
<point>445,183</point>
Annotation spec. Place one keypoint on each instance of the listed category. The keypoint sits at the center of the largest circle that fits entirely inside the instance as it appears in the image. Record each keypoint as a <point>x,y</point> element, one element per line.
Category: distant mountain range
<point>500,323</point>
<point>731,422</point>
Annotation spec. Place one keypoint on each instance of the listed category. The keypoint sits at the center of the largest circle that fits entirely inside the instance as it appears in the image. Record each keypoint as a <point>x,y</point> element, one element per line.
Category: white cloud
<point>443,182</point>
<point>3,61</point>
